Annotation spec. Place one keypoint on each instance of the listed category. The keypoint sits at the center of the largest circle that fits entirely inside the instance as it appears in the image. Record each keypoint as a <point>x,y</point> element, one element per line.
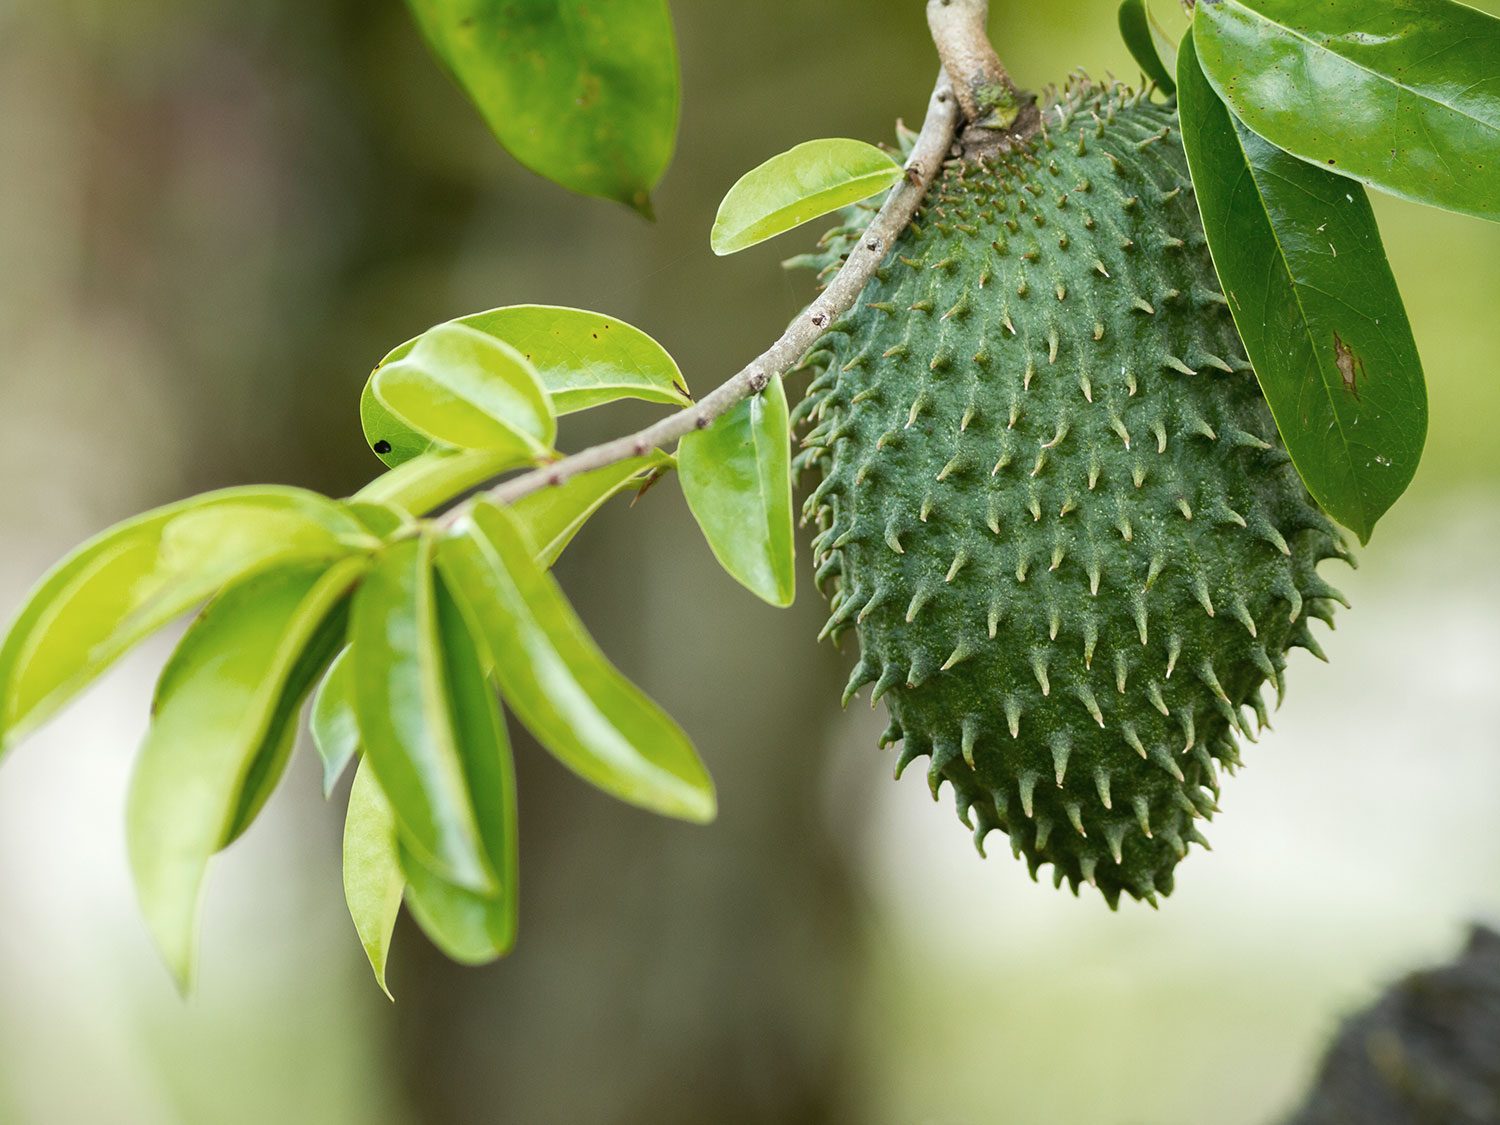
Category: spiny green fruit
<point>1054,506</point>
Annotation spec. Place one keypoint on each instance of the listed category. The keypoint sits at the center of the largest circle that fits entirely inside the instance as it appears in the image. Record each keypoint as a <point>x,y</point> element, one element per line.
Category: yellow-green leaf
<point>405,725</point>
<point>373,880</point>
<point>215,709</point>
<point>737,478</point>
<point>466,389</point>
<point>550,517</point>
<point>126,583</point>
<point>582,358</point>
<point>813,179</point>
<point>469,927</point>
<point>558,683</point>
<point>334,728</point>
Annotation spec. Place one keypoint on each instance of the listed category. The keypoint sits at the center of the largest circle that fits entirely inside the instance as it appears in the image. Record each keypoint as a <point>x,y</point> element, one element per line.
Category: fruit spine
<point>1053,504</point>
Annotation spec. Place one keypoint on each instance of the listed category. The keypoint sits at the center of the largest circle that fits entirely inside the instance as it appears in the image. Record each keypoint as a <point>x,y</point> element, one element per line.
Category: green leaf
<point>583,358</point>
<point>391,439</point>
<point>373,880</point>
<point>737,478</point>
<point>559,684</point>
<point>281,734</point>
<point>552,516</point>
<point>466,389</point>
<point>335,730</point>
<point>1301,261</point>
<point>214,712</point>
<point>583,93</point>
<point>1403,96</point>
<point>401,705</point>
<point>123,585</point>
<point>1148,46</point>
<point>472,928</point>
<point>431,479</point>
<point>813,179</point>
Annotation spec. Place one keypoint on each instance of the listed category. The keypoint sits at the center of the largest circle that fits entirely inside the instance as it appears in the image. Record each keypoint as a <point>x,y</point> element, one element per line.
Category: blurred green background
<point>215,216</point>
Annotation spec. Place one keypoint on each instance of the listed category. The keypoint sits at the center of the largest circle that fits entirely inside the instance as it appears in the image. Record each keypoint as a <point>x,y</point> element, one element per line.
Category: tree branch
<point>928,154</point>
<point>988,97</point>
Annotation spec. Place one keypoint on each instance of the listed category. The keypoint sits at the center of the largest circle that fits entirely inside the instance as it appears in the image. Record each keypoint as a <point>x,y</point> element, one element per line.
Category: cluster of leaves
<point>407,631</point>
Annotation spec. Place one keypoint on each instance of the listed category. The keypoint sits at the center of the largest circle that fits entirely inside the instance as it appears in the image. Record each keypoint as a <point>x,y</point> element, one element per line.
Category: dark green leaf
<point>1148,46</point>
<point>334,728</point>
<point>559,684</point>
<point>373,880</point>
<point>552,516</point>
<point>1301,261</point>
<point>815,178</point>
<point>472,928</point>
<point>584,93</point>
<point>401,704</point>
<point>737,478</point>
<point>126,583</point>
<point>214,713</point>
<point>583,358</point>
<point>465,389</point>
<point>1403,95</point>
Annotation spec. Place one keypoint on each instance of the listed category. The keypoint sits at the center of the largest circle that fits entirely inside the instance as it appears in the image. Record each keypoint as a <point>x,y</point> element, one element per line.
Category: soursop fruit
<point>1053,504</point>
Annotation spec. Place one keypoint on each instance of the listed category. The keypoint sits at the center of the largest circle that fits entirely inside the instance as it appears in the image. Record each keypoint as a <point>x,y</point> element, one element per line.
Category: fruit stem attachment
<point>988,97</point>
<point>926,160</point>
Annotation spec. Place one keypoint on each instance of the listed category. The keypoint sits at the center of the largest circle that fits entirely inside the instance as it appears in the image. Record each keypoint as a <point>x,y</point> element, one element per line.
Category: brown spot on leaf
<point>1351,367</point>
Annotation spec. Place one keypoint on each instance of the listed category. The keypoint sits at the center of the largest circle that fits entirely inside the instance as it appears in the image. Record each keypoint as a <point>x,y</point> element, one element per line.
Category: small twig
<point>927,156</point>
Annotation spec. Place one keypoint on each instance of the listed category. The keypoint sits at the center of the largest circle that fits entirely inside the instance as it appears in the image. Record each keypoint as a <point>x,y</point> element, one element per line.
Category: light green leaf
<point>813,179</point>
<point>126,583</point>
<point>586,94</point>
<point>472,928</point>
<point>737,478</point>
<point>335,730</point>
<point>271,760</point>
<point>583,358</point>
<point>466,389</point>
<point>559,684</point>
<point>214,713</point>
<point>373,880</point>
<point>1403,96</point>
<point>401,704</point>
<point>1299,255</point>
<point>552,516</point>
<point>388,437</point>
<point>435,477</point>
<point>1148,45</point>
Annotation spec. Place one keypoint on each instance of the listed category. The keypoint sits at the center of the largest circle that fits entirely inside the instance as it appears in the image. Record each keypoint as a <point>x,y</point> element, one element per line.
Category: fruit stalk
<point>985,92</point>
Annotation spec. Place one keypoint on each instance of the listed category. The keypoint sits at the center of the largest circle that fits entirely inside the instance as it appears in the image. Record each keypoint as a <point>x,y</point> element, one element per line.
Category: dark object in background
<point>1426,1053</point>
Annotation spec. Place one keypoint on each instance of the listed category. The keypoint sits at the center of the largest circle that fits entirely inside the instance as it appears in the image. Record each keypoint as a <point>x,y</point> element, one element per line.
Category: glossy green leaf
<point>271,760</point>
<point>551,517</point>
<point>472,928</point>
<point>1148,45</point>
<point>737,478</point>
<point>583,358</point>
<point>559,684</point>
<point>1403,95</point>
<point>1301,262</point>
<point>388,437</point>
<point>435,477</point>
<point>812,179</point>
<point>405,725</point>
<point>586,94</point>
<point>335,730</point>
<point>214,712</point>
<point>373,879</point>
<point>129,581</point>
<point>466,389</point>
